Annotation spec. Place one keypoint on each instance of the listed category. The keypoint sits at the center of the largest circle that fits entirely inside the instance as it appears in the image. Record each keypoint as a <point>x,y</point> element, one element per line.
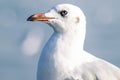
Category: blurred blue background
<point>21,41</point>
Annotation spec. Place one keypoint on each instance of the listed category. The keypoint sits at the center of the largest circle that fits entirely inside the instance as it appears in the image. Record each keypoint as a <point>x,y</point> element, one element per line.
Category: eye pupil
<point>63,13</point>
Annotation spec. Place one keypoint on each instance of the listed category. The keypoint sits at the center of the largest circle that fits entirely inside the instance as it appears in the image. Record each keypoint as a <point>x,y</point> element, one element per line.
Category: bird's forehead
<point>61,7</point>
<point>68,7</point>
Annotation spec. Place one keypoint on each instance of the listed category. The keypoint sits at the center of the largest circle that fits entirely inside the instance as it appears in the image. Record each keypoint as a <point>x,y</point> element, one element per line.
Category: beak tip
<point>31,18</point>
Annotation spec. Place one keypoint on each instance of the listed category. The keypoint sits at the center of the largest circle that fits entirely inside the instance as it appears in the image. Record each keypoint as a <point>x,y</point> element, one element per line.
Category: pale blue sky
<point>21,41</point>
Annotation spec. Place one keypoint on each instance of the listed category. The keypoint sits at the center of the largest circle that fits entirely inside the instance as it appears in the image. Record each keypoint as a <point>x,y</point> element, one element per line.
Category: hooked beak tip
<point>31,18</point>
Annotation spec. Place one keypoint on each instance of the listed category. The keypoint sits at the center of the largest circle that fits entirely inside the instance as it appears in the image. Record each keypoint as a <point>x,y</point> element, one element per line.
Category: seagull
<point>63,57</point>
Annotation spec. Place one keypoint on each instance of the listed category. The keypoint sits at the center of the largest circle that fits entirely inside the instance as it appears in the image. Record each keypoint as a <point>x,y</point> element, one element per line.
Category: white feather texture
<point>63,57</point>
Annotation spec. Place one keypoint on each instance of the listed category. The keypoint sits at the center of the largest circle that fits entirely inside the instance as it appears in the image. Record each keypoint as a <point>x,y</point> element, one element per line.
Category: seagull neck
<point>73,37</point>
<point>70,40</point>
<point>67,46</point>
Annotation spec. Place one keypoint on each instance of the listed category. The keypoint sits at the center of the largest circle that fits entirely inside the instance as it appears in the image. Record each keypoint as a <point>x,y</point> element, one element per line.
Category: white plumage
<point>63,57</point>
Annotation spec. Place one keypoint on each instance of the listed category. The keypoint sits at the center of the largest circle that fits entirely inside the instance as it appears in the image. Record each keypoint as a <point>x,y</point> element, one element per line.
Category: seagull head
<point>62,18</point>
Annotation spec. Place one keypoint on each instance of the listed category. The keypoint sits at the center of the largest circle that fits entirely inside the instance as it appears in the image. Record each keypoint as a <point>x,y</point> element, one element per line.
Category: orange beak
<point>39,17</point>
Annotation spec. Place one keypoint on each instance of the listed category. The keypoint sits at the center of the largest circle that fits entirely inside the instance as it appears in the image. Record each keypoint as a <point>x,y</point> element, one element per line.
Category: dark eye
<point>63,13</point>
